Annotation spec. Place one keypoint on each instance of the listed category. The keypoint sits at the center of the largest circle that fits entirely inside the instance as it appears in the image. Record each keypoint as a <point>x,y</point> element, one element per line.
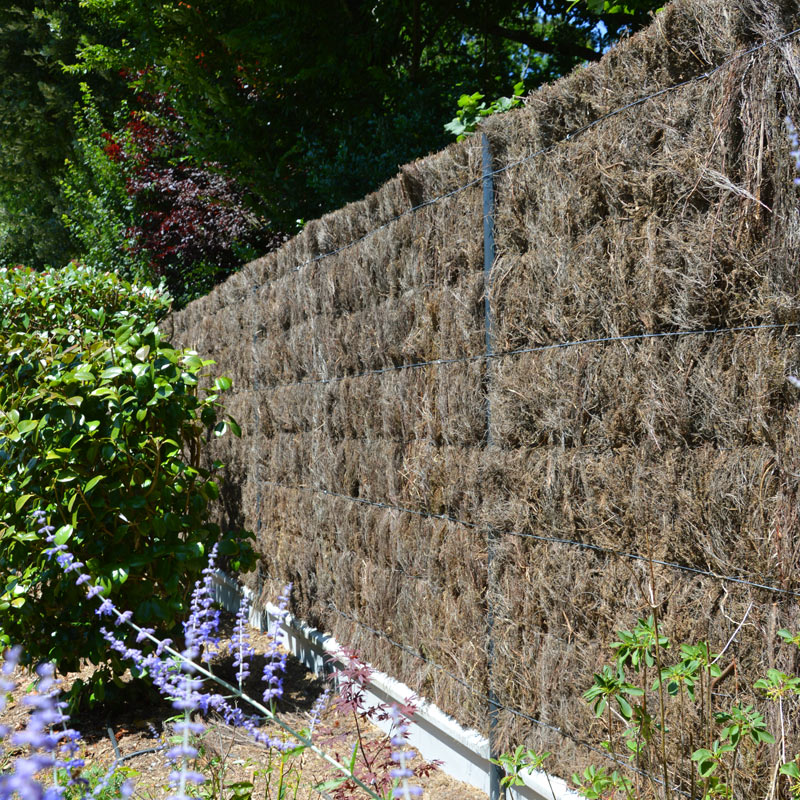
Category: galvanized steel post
<point>495,773</point>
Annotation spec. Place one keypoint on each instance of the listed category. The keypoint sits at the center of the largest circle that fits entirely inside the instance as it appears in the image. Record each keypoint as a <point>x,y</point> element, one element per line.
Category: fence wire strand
<point>480,695</point>
<point>542,151</point>
<point>544,539</point>
<point>439,362</point>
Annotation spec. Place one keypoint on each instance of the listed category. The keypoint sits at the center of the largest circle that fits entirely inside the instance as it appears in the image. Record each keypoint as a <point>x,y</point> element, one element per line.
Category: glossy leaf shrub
<point>101,427</point>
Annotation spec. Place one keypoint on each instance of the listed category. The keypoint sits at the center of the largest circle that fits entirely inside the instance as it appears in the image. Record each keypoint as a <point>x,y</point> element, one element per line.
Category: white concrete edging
<point>464,753</point>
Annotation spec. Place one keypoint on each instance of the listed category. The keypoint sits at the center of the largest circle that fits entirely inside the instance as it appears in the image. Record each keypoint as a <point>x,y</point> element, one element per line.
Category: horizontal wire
<point>543,151</point>
<point>639,101</point>
<point>468,686</point>
<point>441,362</point>
<point>537,349</point>
<point>515,711</point>
<point>545,539</point>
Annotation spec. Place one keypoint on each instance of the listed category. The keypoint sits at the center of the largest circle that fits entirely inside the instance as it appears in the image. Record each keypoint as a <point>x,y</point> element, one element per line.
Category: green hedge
<point>101,427</point>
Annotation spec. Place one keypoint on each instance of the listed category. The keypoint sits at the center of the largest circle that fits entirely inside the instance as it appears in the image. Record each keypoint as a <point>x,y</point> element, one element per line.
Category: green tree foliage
<point>138,203</point>
<point>313,104</point>
<point>305,106</point>
<point>101,428</point>
<point>37,37</point>
<point>98,209</point>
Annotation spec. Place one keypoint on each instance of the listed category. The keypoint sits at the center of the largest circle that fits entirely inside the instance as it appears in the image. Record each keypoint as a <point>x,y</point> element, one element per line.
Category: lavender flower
<point>401,756</point>
<point>203,620</point>
<point>316,710</point>
<point>174,677</point>
<point>240,645</point>
<point>93,590</point>
<point>40,518</point>
<point>48,749</point>
<point>276,660</point>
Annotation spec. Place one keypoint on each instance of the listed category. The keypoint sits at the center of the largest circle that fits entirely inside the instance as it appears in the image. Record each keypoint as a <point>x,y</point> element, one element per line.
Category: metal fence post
<point>257,422</point>
<point>495,773</point>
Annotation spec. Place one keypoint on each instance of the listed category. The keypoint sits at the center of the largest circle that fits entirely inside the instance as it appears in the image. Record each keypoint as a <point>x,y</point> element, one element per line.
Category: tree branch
<point>538,44</point>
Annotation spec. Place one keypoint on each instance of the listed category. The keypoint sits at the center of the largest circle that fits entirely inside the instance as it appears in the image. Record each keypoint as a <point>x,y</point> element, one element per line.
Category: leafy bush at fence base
<point>101,426</point>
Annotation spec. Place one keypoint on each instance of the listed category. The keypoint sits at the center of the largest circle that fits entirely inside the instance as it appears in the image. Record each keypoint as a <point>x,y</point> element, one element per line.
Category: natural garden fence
<point>469,473</point>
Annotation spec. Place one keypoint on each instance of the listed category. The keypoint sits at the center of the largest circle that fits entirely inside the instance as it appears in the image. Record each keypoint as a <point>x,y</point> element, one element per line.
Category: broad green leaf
<point>92,483</point>
<point>27,425</point>
<point>220,428</point>
<point>110,372</point>
<point>123,333</point>
<point>58,454</point>
<point>21,501</point>
<point>120,574</point>
<point>63,534</point>
<point>193,361</point>
<point>624,707</point>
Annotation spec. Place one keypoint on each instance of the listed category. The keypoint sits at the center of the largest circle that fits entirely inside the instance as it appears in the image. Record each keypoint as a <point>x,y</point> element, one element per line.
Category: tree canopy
<point>305,105</point>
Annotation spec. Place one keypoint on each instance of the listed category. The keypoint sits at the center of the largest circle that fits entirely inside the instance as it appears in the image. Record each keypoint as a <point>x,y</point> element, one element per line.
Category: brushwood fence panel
<point>644,301</point>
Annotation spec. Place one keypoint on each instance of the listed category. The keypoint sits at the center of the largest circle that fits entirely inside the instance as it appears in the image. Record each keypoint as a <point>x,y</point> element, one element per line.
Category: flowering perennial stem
<point>186,659</point>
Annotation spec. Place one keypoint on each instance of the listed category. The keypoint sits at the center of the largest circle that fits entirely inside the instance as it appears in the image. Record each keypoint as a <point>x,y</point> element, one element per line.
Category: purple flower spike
<point>174,674</point>
<point>143,633</point>
<point>275,665</point>
<point>192,727</point>
<point>189,777</point>
<point>240,645</point>
<point>106,608</point>
<point>55,550</point>
<point>11,659</point>
<point>50,744</point>
<point>203,622</point>
<point>401,757</point>
<point>181,751</point>
<point>39,518</point>
<point>316,711</point>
